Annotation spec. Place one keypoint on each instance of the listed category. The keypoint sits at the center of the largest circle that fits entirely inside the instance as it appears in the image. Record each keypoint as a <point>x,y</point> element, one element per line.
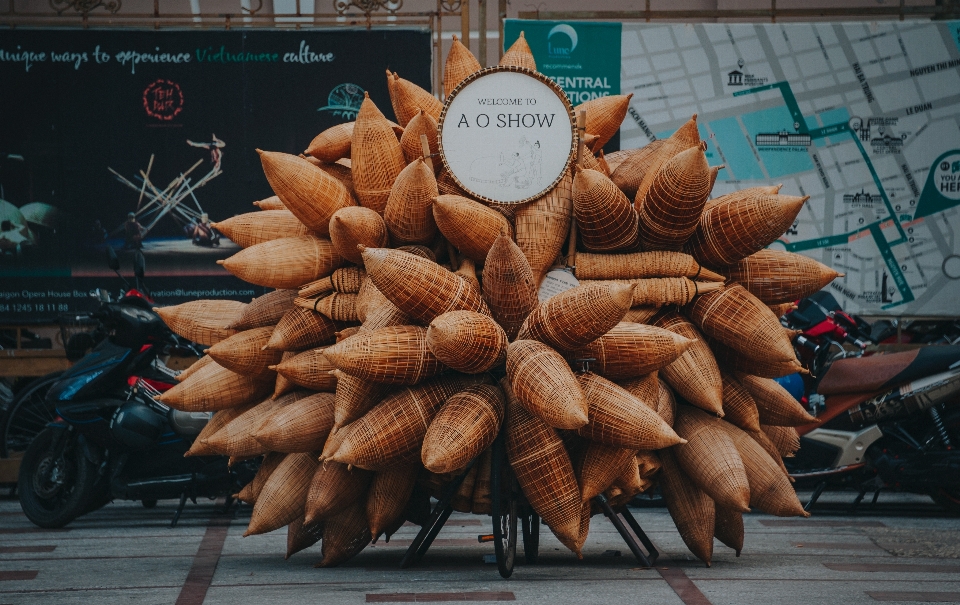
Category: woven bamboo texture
<point>309,193</point>
<point>396,426</point>
<point>334,486</point>
<point>354,397</point>
<point>419,287</point>
<point>776,276</point>
<point>283,385</point>
<point>447,186</point>
<point>662,291</point>
<point>775,404</point>
<point>409,99</point>
<point>264,310</point>
<point>344,536</point>
<point>771,449</point>
<point>738,405</point>
<point>767,368</point>
<point>388,495</point>
<point>544,471</point>
<point>545,385</point>
<point>346,280</point>
<point>638,265</point>
<point>381,313</point>
<point>604,116</point>
<point>301,537</point>
<point>468,273</point>
<point>782,309</point>
<point>463,498</point>
<point>645,388</point>
<point>340,171</point>
<point>356,225</point>
<point>281,500</point>
<point>304,259</point>
<point>460,63</point>
<point>750,192</point>
<point>202,321</point>
<point>332,144</point>
<point>424,125</point>
<point>628,482</point>
<point>466,425</point>
<point>467,342</point>
<point>728,527</point>
<point>543,226</point>
<point>606,220</point>
<point>695,374</point>
<point>630,350</point>
<point>302,329</point>
<point>615,159</point>
<point>686,137</point>
<point>214,388</point>
<point>469,225</point>
<point>197,365</point>
<point>376,157</point>
<point>269,464</point>
<point>218,421</point>
<point>482,489</point>
<point>337,306</point>
<point>519,55</point>
<point>641,315</point>
<point>572,319</point>
<point>619,419</point>
<point>692,510</point>
<point>237,437</point>
<point>737,319</point>
<point>648,464</point>
<point>409,210</point>
<point>741,226</point>
<point>784,438</point>
<point>302,426</point>
<point>600,467</point>
<point>509,285</point>
<point>630,168</point>
<point>710,459</point>
<point>244,353</point>
<point>395,355</point>
<point>671,209</point>
<point>270,203</point>
<point>255,228</point>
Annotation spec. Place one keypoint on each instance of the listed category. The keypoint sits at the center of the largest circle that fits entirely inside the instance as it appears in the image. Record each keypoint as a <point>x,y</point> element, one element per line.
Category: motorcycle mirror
<point>139,265</point>
<point>113,261</point>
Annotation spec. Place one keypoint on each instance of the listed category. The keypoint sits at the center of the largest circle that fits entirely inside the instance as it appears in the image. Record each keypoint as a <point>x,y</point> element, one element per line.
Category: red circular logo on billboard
<point>163,100</point>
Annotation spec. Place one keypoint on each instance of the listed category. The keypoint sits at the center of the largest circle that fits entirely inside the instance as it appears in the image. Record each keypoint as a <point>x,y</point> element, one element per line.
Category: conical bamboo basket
<point>784,438</point>
<point>748,193</point>
<point>332,144</point>
<point>356,225</point>
<point>669,213</point>
<point>711,460</point>
<point>728,527</point>
<point>615,159</point>
<point>337,306</point>
<point>421,125</point>
<point>341,171</point>
<point>301,537</point>
<point>738,405</point>
<point>775,404</point>
<point>659,263</point>
<point>686,137</point>
<point>379,311</point>
<point>218,421</point>
<point>542,227</point>
<point>645,388</point>
<point>388,495</point>
<point>466,425</point>
<point>264,310</point>
<point>463,498</point>
<point>334,487</point>
<point>355,397</point>
<point>244,353</point>
<point>782,309</point>
<point>482,489</point>
<point>302,426</point>
<point>771,449</point>
<point>519,55</point>
<point>302,329</point>
<point>269,464</point>
<point>419,287</point>
<point>641,315</point>
<point>545,385</point>
<point>662,291</point>
<point>572,319</point>
<point>630,167</point>
<point>237,438</point>
<point>202,321</point>
<point>460,63</point>
<point>468,342</point>
<point>601,466</point>
<point>695,374</point>
<point>692,510</point>
<point>767,368</point>
<point>309,193</point>
<point>776,276</point>
<point>271,203</point>
<point>604,116</point>
<point>448,186</point>
<point>606,220</point>
<point>469,225</point>
<point>214,388</point>
<point>281,500</point>
<point>197,365</point>
<point>630,350</point>
<point>376,157</point>
<point>255,228</point>
<point>395,355</point>
<point>409,99</point>
<point>408,213</point>
<point>344,535</point>
<point>648,464</point>
<point>509,285</point>
<point>284,385</point>
<point>618,419</point>
<point>305,259</point>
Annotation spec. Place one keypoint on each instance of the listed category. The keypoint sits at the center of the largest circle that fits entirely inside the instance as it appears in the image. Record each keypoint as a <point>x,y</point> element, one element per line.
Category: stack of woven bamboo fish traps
<point>402,331</point>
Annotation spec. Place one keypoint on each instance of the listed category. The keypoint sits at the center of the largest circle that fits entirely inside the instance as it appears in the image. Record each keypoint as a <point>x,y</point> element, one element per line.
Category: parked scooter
<point>110,438</point>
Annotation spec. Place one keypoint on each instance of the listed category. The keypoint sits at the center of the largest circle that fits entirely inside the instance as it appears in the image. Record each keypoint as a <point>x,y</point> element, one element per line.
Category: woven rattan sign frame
<point>541,79</point>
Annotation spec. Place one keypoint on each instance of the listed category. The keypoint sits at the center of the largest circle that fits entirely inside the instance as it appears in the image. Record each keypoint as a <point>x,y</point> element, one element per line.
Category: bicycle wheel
<point>28,415</point>
<point>504,510</point>
<point>531,537</point>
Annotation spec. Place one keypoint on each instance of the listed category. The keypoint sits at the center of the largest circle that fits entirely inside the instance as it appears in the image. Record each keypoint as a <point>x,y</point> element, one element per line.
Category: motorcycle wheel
<point>55,485</point>
<point>28,414</point>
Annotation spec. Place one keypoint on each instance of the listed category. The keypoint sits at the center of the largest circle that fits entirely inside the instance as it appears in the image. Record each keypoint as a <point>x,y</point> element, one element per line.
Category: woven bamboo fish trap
<point>421,125</point>
<point>244,353</point>
<point>394,355</point>
<point>396,426</point>
<point>302,426</point>
<point>344,535</point>
<point>770,489</point>
<point>302,329</point>
<point>616,158</point>
<point>784,438</point>
<point>545,385</point>
<point>648,463</point>
<point>776,276</point>
<point>600,163</point>
<point>544,471</point>
<point>197,365</point>
<point>346,279</point>
<point>482,489</point>
<point>645,388</point>
<point>408,99</point>
<point>630,350</point>
<point>509,285</point>
<point>237,438</point>
<point>255,228</point>
<point>271,203</point>
<point>737,319</point>
<point>380,312</point>
<point>572,319</point>
<point>269,464</point>
<point>728,527</point>
<point>354,397</point>
<point>469,225</point>
<point>202,321</point>
<point>356,225</point>
<point>460,63</point>
<point>690,507</point>
<point>301,537</point>
<point>519,55</point>
<point>218,421</point>
<point>782,309</point>
<point>750,192</point>
<point>376,157</point>
<point>334,486</point>
<point>214,388</point>
<point>606,220</point>
<point>281,500</point>
<point>738,405</point>
<point>662,291</point>
<point>468,273</point>
<point>775,404</point>
<point>309,193</point>
<point>468,342</point>
<point>448,186</point>
<point>768,446</point>
<point>264,310</point>
<point>463,498</point>
<point>337,306</point>
<point>766,368</point>
<point>542,226</point>
<point>466,425</point>
<point>641,315</point>
<point>686,137</point>
<point>619,419</point>
<point>305,259</point>
<point>388,495</point>
<point>419,287</point>
<point>408,213</point>
<point>332,144</point>
<point>630,168</point>
<point>710,459</point>
<point>735,229</point>
<point>628,481</point>
<point>695,374</point>
<point>638,265</point>
<point>669,213</point>
<point>666,403</point>
<point>284,385</point>
<point>340,171</point>
<point>604,116</point>
<point>601,466</point>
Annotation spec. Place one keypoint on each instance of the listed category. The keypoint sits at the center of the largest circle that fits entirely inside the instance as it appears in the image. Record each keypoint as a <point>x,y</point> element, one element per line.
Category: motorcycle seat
<point>884,372</point>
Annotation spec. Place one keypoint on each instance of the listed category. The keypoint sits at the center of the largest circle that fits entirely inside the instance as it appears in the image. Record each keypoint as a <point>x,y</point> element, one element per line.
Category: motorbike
<point>110,439</point>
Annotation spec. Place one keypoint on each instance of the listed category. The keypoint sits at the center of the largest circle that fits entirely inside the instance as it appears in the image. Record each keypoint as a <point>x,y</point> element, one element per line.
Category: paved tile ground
<point>904,550</point>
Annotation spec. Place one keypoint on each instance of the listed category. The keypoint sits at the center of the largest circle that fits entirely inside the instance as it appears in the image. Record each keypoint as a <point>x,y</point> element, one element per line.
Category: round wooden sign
<point>507,134</point>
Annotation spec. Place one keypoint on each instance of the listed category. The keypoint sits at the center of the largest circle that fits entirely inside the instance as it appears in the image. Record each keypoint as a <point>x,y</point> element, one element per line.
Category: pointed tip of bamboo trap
<point>708,275</point>
<point>708,286</point>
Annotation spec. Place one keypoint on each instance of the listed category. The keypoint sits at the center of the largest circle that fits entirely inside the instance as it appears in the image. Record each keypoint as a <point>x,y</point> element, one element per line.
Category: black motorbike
<point>110,439</point>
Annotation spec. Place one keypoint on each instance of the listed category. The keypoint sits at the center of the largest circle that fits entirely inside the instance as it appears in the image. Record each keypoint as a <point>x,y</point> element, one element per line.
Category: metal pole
<point>465,22</point>
<point>501,15</point>
<point>481,28</point>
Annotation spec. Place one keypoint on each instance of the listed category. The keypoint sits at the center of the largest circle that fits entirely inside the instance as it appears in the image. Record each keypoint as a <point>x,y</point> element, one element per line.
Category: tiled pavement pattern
<point>125,553</point>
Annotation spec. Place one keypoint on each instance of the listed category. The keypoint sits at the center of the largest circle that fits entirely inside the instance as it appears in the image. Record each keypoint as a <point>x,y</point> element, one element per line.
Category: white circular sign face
<point>507,134</point>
